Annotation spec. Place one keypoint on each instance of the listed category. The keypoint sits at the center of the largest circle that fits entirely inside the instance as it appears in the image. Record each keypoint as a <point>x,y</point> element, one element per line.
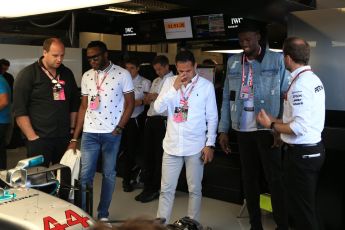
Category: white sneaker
<point>105,222</point>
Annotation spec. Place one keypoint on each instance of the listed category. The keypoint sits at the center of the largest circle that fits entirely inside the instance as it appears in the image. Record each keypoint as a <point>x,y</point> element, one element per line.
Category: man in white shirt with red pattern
<point>191,133</point>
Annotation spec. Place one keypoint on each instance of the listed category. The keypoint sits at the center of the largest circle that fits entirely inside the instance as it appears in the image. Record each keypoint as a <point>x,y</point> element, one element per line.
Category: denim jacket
<point>270,81</point>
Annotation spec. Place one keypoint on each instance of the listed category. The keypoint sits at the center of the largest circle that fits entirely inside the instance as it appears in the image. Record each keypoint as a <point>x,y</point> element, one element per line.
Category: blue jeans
<point>92,144</point>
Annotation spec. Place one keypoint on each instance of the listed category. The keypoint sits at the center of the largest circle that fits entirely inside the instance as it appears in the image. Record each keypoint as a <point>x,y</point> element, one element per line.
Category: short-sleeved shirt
<point>33,97</point>
<point>141,86</point>
<point>5,113</point>
<point>304,107</point>
<point>156,87</point>
<point>116,82</point>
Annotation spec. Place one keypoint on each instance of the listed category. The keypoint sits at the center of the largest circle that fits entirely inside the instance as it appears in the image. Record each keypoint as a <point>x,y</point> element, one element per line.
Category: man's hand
<point>264,119</point>
<point>72,145</point>
<point>223,140</point>
<point>207,154</point>
<point>180,80</point>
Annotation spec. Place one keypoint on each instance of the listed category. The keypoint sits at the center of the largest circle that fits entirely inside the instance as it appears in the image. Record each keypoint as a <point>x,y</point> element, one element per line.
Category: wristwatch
<point>211,147</point>
<point>118,129</point>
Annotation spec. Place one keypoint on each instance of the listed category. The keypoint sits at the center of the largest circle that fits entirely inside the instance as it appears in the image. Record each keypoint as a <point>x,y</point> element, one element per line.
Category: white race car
<point>22,207</point>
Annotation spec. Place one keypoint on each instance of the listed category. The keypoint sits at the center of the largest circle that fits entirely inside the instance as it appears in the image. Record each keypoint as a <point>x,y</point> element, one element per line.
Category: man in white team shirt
<point>132,133</point>
<point>154,132</point>
<point>191,133</point>
<point>301,127</point>
<point>107,105</point>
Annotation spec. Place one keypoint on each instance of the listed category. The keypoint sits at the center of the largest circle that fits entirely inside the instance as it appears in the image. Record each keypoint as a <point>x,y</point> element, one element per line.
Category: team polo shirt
<point>304,108</point>
<point>141,86</point>
<point>156,87</point>
<point>117,82</point>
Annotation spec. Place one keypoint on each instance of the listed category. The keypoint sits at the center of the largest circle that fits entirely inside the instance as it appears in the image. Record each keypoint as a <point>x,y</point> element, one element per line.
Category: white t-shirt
<point>248,117</point>
<point>141,86</point>
<point>117,82</point>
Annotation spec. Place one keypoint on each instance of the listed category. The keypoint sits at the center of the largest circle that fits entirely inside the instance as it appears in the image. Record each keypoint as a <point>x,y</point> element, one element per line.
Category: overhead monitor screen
<point>176,28</point>
<point>209,26</point>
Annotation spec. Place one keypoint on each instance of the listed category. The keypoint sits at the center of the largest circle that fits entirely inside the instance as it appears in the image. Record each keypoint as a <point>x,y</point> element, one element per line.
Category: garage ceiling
<point>32,30</point>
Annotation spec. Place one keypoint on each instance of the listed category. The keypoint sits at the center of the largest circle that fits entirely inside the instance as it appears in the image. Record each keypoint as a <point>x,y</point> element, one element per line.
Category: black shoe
<point>140,196</point>
<point>127,187</point>
<point>149,197</point>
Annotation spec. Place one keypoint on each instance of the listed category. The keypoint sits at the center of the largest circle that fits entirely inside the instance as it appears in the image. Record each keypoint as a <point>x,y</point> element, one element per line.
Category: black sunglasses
<point>94,57</point>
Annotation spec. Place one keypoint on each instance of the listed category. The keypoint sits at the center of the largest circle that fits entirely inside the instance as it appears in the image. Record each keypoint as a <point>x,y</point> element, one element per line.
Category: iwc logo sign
<point>129,31</point>
<point>234,22</point>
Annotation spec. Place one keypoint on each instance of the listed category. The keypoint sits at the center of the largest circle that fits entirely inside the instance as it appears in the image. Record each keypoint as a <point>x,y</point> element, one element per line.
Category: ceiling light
<point>20,8</point>
<point>235,51</point>
<point>125,11</point>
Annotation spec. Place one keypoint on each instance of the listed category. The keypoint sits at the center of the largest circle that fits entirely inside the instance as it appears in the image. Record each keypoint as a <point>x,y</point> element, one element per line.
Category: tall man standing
<point>107,104</point>
<point>45,103</point>
<point>301,127</point>
<point>191,133</point>
<point>255,79</point>
<point>155,127</point>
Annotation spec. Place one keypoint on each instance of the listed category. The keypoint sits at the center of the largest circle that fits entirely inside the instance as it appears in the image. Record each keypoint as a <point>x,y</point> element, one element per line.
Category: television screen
<point>176,28</point>
<point>209,25</point>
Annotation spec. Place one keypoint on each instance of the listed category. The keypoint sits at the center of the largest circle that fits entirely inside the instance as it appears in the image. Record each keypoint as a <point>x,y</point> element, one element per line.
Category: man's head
<point>4,65</point>
<point>185,64</point>
<point>161,65</point>
<point>249,37</point>
<point>53,53</point>
<point>133,66</point>
<point>296,52</point>
<point>97,55</point>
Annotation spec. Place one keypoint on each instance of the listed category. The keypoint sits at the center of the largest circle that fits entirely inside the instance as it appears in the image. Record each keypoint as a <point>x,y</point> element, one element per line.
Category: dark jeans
<point>52,149</point>
<point>154,133</point>
<point>3,156</point>
<point>131,140</point>
<point>256,154</point>
<point>302,166</point>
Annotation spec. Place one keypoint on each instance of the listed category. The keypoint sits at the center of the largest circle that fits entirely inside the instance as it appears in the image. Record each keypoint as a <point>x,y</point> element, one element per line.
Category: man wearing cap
<point>255,79</point>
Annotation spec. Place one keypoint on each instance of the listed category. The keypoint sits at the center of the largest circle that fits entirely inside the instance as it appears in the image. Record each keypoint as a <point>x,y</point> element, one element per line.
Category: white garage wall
<point>21,56</point>
<point>324,30</point>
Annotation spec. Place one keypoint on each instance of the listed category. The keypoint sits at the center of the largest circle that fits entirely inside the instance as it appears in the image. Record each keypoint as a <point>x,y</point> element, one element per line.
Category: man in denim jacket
<point>256,79</point>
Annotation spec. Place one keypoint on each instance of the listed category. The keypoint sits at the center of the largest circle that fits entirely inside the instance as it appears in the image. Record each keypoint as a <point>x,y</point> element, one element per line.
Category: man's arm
<point>24,124</point>
<point>224,123</point>
<point>270,122</point>
<point>4,100</point>
<point>79,122</point>
<point>167,93</point>
<point>128,109</point>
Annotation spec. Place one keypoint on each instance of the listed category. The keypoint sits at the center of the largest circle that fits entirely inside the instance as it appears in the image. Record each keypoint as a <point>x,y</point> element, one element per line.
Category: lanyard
<point>98,85</point>
<point>293,80</point>
<point>55,80</point>
<point>184,99</point>
<point>250,72</point>
<point>244,60</point>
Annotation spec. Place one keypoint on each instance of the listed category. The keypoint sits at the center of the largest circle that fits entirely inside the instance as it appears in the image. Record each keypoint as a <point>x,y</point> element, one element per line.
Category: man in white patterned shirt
<point>191,133</point>
<point>107,105</point>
